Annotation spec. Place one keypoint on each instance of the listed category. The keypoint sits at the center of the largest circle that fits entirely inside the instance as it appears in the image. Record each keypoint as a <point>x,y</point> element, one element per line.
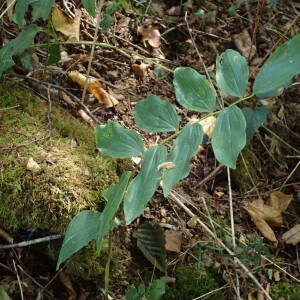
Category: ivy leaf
<point>229,136</point>
<point>41,9</point>
<point>232,73</point>
<point>144,185</point>
<point>185,147</point>
<point>17,46</point>
<point>81,230</point>
<point>254,119</point>
<point>115,141</point>
<point>155,115</point>
<point>114,196</point>
<point>278,71</point>
<point>151,241</point>
<point>193,91</point>
<point>90,6</point>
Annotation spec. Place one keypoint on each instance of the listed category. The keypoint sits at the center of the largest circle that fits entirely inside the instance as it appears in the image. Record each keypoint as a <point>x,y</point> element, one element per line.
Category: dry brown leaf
<point>173,240</point>
<point>150,34</point>
<point>94,87</point>
<point>292,236</point>
<point>166,165</point>
<point>263,215</point>
<point>33,166</point>
<point>243,43</point>
<point>70,28</point>
<point>141,70</point>
<point>67,283</point>
<point>10,9</point>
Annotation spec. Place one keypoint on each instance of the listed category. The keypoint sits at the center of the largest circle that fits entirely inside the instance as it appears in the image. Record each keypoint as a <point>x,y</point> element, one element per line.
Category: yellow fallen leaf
<point>277,276</point>
<point>10,8</point>
<point>94,87</point>
<point>292,236</point>
<point>193,221</point>
<point>150,34</point>
<point>70,28</point>
<point>208,125</point>
<point>263,215</point>
<point>166,165</point>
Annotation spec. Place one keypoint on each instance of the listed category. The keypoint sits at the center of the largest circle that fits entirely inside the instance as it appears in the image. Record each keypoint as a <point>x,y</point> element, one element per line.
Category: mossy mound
<point>192,282</point>
<point>71,178</point>
<point>285,290</point>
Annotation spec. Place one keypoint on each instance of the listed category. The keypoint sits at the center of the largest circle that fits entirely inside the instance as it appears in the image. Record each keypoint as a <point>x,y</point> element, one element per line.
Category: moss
<point>240,176</point>
<point>285,290</point>
<point>193,282</point>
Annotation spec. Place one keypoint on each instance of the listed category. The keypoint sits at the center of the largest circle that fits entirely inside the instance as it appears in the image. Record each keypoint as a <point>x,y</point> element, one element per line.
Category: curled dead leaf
<point>70,28</point>
<point>150,34</point>
<point>33,166</point>
<point>292,236</point>
<point>208,125</point>
<point>141,70</point>
<point>94,87</point>
<point>166,165</point>
<point>266,215</point>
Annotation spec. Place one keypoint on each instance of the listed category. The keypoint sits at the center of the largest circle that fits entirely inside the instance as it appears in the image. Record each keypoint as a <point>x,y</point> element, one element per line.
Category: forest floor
<point>145,40</point>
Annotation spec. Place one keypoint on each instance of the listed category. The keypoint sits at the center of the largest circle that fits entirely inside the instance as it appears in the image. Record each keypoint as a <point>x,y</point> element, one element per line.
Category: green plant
<point>285,290</point>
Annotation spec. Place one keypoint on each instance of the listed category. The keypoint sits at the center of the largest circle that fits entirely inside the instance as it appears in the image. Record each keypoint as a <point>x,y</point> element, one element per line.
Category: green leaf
<point>151,241</point>
<point>3,294</point>
<point>278,71</point>
<point>53,54</point>
<point>132,294</point>
<point>20,10</point>
<point>106,22</point>
<point>41,9</point>
<point>193,91</point>
<point>232,73</point>
<point>155,115</point>
<point>156,289</point>
<point>81,230</point>
<point>185,147</point>
<point>254,119</point>
<point>114,196</point>
<point>144,185</point>
<point>112,7</point>
<point>114,140</point>
<point>90,6</point>
<point>16,46</point>
<point>229,136</point>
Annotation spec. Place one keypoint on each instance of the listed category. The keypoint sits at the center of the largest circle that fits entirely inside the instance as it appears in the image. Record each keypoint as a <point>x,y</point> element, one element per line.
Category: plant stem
<point>104,45</point>
<point>281,139</point>
<point>172,136</point>
<point>106,276</point>
<point>241,100</point>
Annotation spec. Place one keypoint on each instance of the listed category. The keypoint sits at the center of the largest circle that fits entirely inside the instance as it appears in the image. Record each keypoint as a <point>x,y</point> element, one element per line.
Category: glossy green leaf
<point>193,91</point>
<point>21,7</point>
<point>279,69</point>
<point>144,185</point>
<point>151,241</point>
<point>81,230</point>
<point>114,196</point>
<point>232,73</point>
<point>185,147</point>
<point>254,119</point>
<point>229,136</point>
<point>90,6</point>
<point>115,141</point>
<point>17,46</point>
<point>41,9</point>
<point>156,289</point>
<point>155,115</point>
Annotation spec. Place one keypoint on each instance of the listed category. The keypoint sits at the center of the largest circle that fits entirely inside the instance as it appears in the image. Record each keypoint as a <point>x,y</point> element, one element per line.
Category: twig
<point>203,225</point>
<point>98,18</point>
<point>290,175</point>
<point>211,292</point>
<point>210,176</point>
<point>19,281</point>
<point>12,3</point>
<point>32,242</point>
<point>8,108</point>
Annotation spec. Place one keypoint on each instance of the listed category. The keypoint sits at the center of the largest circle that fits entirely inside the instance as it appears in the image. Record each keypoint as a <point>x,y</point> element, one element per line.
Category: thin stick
<point>98,18</point>
<point>19,281</point>
<point>211,292</point>
<point>290,175</point>
<point>7,8</point>
<point>8,108</point>
<point>203,225</point>
<point>32,242</point>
